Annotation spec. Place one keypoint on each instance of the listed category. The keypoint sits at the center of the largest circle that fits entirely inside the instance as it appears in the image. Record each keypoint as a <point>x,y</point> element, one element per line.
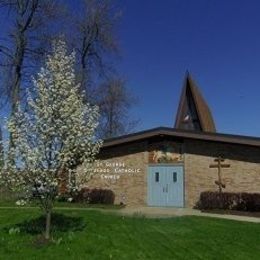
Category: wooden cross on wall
<point>219,165</point>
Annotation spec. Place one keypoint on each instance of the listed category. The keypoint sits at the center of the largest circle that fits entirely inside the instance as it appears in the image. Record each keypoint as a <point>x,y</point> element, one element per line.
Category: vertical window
<point>157,177</point>
<point>174,176</point>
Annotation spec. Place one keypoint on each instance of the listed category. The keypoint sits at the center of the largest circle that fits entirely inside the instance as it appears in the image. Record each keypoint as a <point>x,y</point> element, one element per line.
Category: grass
<point>85,234</point>
<point>58,204</point>
<point>85,205</point>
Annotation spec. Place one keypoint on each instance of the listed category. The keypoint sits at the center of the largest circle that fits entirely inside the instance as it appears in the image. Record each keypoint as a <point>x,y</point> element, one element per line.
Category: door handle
<point>165,189</point>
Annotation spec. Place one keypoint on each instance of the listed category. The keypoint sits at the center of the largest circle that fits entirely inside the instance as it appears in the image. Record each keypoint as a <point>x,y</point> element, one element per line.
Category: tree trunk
<point>48,225</point>
<point>2,155</point>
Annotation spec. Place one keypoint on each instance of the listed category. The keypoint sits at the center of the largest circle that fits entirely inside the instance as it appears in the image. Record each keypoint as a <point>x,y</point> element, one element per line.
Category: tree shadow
<point>59,223</point>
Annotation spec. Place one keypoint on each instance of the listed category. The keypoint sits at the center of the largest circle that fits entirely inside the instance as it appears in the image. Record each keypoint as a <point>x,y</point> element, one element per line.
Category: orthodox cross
<point>219,165</point>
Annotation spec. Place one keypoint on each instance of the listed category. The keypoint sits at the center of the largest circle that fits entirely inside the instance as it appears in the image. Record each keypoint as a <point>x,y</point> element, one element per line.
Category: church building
<point>170,167</point>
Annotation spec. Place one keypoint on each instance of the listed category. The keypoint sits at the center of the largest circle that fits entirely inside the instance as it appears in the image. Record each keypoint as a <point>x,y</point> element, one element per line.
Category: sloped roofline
<point>173,132</point>
<point>204,114</point>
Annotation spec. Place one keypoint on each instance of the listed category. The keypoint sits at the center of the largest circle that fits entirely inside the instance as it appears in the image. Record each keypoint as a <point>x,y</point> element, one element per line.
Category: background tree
<point>1,150</point>
<point>93,34</point>
<point>115,101</point>
<point>23,46</point>
<point>96,44</point>
<point>25,43</point>
<point>56,126</point>
<point>95,41</point>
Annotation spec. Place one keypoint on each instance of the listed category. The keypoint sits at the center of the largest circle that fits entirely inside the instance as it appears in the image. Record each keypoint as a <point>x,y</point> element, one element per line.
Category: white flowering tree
<point>54,133</point>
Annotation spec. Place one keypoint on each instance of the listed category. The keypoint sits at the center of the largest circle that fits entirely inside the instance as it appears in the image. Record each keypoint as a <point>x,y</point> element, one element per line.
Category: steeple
<point>193,112</point>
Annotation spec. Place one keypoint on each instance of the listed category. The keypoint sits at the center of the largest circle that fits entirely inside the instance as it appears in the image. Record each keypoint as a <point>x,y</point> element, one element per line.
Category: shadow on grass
<point>59,223</point>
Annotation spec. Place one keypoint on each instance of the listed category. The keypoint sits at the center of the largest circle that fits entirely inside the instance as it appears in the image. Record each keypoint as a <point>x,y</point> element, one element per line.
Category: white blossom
<point>53,134</point>
<point>20,202</point>
<point>70,199</point>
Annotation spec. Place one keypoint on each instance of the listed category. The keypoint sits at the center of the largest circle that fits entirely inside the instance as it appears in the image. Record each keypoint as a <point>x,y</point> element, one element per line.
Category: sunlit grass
<point>107,236</point>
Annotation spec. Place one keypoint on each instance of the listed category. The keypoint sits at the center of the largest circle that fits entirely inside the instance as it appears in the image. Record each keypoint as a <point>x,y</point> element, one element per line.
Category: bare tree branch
<point>115,100</point>
<point>29,17</point>
<point>96,39</point>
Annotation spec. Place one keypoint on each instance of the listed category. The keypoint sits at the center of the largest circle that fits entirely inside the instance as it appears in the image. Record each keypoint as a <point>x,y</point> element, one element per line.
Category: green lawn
<point>58,204</point>
<point>96,235</point>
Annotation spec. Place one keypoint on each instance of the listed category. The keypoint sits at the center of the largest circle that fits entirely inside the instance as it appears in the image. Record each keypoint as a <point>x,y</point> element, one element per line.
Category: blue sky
<point>217,41</point>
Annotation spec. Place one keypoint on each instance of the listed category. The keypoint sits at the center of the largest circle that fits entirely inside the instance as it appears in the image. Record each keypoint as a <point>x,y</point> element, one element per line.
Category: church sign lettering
<point>113,170</point>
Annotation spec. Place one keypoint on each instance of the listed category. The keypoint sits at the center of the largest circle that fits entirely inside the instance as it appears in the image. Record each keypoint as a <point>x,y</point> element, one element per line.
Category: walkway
<point>154,212</point>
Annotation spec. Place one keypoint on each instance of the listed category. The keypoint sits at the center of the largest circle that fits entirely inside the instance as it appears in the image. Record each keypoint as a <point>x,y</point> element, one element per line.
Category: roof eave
<point>171,132</point>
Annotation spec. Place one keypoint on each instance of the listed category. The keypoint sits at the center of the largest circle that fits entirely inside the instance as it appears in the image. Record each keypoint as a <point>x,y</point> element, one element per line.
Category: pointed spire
<point>193,112</point>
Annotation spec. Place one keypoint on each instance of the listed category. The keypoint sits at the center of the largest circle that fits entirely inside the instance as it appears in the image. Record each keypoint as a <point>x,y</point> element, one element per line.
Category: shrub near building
<point>229,201</point>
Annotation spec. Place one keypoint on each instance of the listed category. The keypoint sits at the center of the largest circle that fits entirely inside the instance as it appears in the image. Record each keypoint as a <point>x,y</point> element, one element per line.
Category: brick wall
<point>131,188</point>
<point>242,176</point>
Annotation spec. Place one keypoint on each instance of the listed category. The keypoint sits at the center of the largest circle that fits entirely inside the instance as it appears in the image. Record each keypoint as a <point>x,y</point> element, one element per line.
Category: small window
<point>157,177</point>
<point>174,176</point>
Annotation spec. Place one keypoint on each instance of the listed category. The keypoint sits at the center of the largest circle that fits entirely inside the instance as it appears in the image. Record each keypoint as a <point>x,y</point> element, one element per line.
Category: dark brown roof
<point>172,132</point>
<point>191,100</point>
